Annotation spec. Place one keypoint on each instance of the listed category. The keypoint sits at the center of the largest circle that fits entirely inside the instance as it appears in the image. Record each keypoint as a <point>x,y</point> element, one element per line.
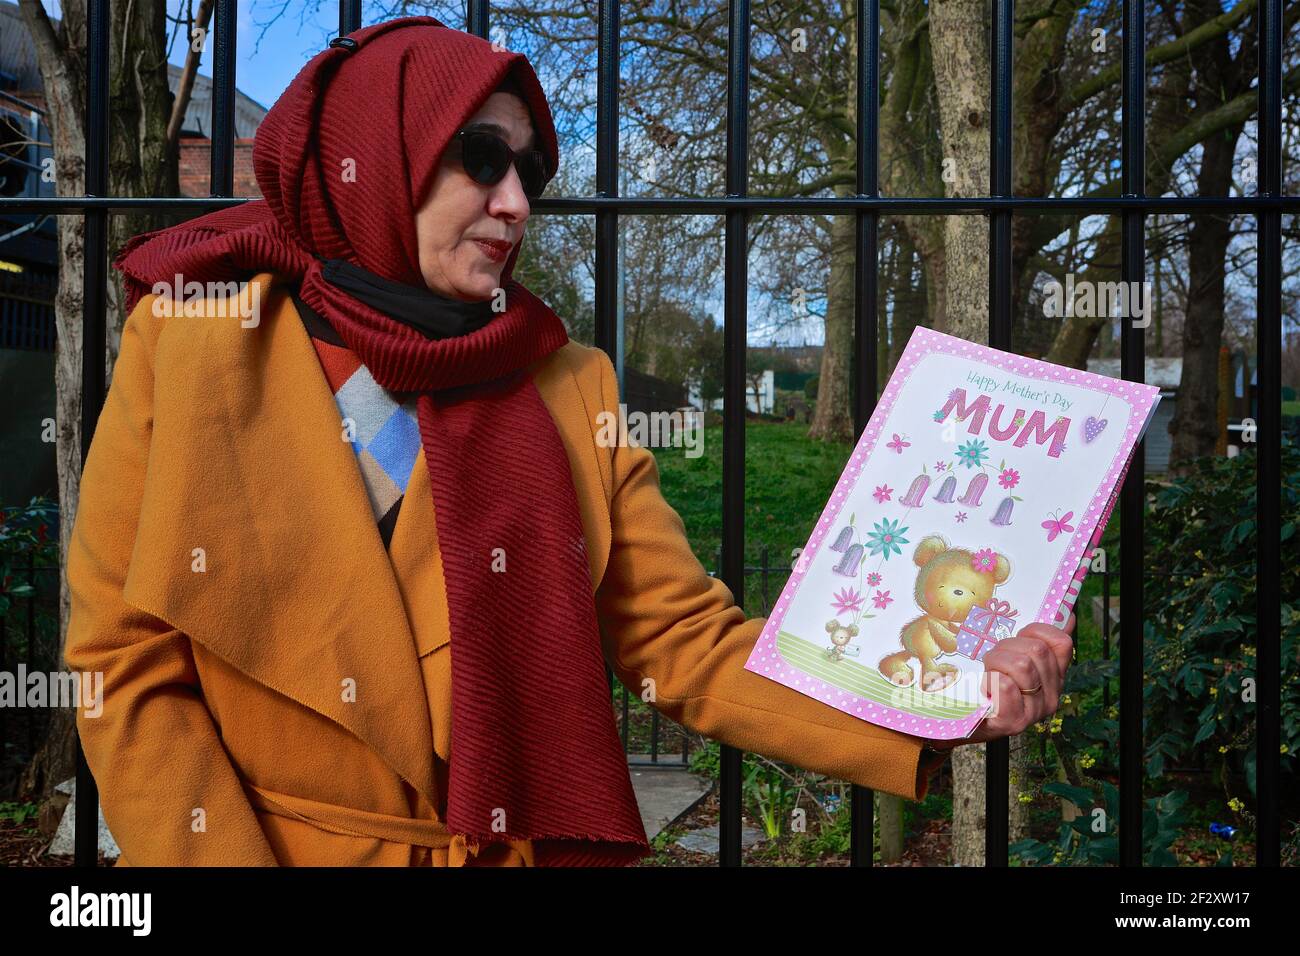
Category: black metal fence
<point>866,206</point>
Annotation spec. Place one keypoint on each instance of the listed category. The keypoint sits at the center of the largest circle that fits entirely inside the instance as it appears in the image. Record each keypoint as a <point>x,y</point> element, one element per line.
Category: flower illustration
<point>940,466</point>
<point>882,493</point>
<point>960,516</point>
<point>938,416</point>
<point>1018,421</point>
<point>873,578</point>
<point>882,599</point>
<point>886,538</point>
<point>972,453</point>
<point>1009,478</point>
<point>847,601</point>
<point>984,561</point>
<point>954,395</point>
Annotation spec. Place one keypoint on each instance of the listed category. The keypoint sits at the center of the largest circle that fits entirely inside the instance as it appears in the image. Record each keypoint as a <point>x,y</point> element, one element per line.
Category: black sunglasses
<point>487,158</point>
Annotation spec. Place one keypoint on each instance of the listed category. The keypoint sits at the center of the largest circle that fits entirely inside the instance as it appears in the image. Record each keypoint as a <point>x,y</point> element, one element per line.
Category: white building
<point>763,403</point>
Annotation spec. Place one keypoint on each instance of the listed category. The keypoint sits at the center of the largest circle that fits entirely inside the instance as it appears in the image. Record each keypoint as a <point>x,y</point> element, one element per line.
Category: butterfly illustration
<point>1057,526</point>
<point>899,443</point>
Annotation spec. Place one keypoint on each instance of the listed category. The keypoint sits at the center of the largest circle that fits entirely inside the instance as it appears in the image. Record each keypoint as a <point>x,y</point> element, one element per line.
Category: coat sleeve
<point>675,635</point>
<point>168,790</point>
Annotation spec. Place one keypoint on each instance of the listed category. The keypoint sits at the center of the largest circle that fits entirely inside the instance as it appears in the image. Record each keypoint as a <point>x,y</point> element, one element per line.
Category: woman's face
<point>458,211</point>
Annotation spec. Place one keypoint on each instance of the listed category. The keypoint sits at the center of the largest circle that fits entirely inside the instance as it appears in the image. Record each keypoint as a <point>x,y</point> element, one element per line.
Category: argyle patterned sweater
<point>383,427</point>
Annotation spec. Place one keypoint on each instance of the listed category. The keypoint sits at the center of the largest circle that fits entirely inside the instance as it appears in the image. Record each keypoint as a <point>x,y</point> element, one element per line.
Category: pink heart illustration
<point>1093,427</point>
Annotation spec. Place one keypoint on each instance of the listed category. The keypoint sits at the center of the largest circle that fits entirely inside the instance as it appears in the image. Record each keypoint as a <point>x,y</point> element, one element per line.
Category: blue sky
<point>273,42</point>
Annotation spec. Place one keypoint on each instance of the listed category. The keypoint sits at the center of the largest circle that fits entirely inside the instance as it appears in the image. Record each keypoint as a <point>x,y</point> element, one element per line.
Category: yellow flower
<point>1223,750</point>
<point>1086,761</point>
<point>1065,698</point>
<point>1056,725</point>
<point>1199,554</point>
<point>1283,749</point>
<point>1214,692</point>
<point>1235,805</point>
<point>1025,797</point>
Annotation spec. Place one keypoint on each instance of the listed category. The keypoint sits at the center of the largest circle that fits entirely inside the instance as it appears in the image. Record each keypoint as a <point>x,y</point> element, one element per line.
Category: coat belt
<point>350,821</point>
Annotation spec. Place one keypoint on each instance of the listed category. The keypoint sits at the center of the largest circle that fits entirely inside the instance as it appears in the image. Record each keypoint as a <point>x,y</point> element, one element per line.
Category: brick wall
<point>196,163</point>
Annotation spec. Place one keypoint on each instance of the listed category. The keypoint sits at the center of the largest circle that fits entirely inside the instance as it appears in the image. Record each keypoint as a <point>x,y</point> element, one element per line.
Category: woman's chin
<point>481,282</point>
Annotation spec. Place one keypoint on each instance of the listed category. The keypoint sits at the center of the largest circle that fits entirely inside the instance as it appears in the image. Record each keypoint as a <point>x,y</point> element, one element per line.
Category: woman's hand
<point>1036,660</point>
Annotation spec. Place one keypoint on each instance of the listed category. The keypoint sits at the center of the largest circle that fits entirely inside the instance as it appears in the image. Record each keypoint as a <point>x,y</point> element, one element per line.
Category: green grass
<point>788,478</point>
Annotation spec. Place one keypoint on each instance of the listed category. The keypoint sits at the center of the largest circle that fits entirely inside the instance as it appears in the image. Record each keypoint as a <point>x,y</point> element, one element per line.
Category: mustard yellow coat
<point>226,568</point>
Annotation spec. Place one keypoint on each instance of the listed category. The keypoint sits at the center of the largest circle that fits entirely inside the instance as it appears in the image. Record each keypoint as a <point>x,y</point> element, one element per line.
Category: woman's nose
<point>508,197</point>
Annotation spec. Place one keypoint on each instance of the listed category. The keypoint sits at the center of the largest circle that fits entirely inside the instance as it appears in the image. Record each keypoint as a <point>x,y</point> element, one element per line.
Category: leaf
<point>1017,498</point>
<point>1206,731</point>
<point>1079,796</point>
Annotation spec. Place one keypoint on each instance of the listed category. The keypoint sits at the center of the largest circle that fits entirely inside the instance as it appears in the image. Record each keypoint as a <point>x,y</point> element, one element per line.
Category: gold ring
<point>1028,693</point>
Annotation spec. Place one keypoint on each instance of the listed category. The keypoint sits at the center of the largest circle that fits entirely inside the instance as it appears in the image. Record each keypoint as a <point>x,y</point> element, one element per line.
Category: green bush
<point>1200,634</point>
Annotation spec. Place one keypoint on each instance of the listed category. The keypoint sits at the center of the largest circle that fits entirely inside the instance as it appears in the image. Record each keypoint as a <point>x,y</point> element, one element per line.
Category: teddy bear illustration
<point>948,585</point>
<point>840,634</point>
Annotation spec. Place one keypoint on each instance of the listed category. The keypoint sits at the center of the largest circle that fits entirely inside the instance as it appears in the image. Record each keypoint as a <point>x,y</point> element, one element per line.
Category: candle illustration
<point>914,493</point>
<point>975,490</point>
<point>1003,515</point>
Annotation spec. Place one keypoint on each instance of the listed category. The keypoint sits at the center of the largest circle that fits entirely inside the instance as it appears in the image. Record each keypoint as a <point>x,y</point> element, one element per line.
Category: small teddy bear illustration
<point>948,585</point>
<point>840,636</point>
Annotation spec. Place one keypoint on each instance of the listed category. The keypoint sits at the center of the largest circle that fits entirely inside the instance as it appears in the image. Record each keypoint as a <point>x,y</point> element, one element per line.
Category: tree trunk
<point>141,162</point>
<point>959,40</point>
<point>1194,427</point>
<point>889,811</point>
<point>62,61</point>
<point>833,420</point>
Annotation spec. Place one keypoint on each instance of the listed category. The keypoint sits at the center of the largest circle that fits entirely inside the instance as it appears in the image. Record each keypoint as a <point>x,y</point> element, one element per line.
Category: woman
<point>295,502</point>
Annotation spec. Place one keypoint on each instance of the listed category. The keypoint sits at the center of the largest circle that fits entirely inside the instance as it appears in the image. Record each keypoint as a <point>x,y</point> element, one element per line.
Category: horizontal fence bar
<point>691,205</point>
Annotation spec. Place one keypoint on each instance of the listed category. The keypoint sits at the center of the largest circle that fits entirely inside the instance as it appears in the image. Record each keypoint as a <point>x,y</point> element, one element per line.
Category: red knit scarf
<point>534,751</point>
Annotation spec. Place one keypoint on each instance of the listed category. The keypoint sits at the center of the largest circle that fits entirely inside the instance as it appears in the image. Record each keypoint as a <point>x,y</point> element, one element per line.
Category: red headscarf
<point>343,160</point>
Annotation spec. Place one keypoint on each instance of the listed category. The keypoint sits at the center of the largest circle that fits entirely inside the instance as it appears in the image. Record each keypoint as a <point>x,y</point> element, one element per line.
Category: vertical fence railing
<point>736,206</point>
<point>94,340</point>
<point>997,763</point>
<point>1268,461</point>
<point>1133,369</point>
<point>866,320</point>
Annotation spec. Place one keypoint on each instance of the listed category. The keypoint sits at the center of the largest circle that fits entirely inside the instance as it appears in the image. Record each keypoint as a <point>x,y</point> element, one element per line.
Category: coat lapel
<point>256,537</point>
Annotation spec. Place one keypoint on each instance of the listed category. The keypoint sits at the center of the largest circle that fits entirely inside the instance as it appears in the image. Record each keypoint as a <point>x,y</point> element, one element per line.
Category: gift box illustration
<point>984,627</point>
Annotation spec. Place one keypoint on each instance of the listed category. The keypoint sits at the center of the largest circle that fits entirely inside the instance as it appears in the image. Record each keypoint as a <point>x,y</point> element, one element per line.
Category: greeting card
<point>969,508</point>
